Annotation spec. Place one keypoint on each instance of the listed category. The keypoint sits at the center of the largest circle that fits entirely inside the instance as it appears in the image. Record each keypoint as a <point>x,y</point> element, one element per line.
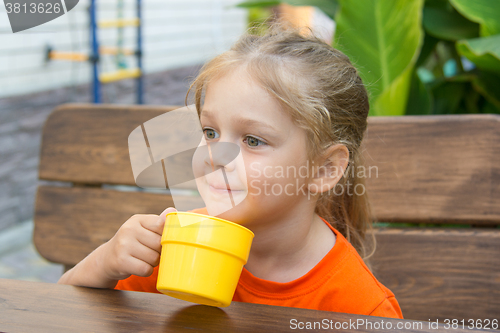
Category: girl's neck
<point>287,249</point>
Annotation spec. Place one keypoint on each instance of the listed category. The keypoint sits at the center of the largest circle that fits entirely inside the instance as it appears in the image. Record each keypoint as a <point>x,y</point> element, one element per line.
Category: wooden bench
<point>431,170</point>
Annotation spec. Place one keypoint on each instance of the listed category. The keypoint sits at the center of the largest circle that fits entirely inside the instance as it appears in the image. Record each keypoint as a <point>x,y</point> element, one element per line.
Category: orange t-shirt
<point>340,282</point>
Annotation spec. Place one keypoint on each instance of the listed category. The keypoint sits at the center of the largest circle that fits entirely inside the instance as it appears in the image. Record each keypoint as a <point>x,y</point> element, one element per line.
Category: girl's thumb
<point>161,219</point>
<point>166,211</point>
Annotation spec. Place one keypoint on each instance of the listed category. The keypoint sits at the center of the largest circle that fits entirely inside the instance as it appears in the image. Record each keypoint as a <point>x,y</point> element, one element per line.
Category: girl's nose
<point>221,155</point>
<point>214,155</point>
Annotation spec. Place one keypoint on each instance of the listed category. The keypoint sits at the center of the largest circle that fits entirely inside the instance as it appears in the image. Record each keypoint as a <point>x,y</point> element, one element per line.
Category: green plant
<point>419,56</point>
<point>258,17</point>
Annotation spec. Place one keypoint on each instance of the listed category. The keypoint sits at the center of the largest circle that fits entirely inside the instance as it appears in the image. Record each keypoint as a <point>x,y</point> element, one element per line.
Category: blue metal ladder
<point>121,74</point>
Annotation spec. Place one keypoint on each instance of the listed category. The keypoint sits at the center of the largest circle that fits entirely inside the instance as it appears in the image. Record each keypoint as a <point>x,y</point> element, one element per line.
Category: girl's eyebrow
<point>206,113</point>
<point>244,121</point>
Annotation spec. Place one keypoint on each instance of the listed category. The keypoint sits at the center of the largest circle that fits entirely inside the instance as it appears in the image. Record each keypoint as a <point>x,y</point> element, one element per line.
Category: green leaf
<point>484,52</point>
<point>329,7</point>
<point>383,39</point>
<point>448,24</point>
<point>484,12</point>
<point>420,99</point>
<point>490,108</point>
<point>393,100</point>
<point>448,96</point>
<point>428,46</point>
<point>488,85</point>
<point>258,3</point>
<point>471,101</point>
<point>471,92</point>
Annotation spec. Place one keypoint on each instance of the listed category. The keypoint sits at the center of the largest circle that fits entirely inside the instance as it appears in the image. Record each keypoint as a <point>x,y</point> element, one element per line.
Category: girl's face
<point>268,179</point>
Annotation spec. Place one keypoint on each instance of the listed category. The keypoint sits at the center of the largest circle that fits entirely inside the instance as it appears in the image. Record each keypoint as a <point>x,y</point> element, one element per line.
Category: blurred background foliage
<point>414,56</point>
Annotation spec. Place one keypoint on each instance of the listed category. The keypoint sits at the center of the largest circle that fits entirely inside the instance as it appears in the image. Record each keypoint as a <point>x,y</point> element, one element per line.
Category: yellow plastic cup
<point>202,258</point>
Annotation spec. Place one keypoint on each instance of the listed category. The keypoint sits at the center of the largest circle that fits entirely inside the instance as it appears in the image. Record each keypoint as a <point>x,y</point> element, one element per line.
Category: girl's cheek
<point>254,174</point>
<point>254,182</point>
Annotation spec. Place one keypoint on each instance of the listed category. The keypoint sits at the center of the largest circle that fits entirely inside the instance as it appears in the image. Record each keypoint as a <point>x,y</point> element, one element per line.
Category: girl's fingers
<point>139,267</point>
<point>136,246</point>
<point>155,223</point>
<point>149,239</point>
<point>146,255</point>
<point>166,211</point>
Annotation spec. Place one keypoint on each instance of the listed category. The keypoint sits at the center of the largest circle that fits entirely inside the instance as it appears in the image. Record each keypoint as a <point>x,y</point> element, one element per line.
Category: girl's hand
<point>135,248</point>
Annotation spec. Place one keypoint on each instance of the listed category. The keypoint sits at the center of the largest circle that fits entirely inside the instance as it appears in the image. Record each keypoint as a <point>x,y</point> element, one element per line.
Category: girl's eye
<point>210,133</point>
<point>254,142</point>
<point>251,141</point>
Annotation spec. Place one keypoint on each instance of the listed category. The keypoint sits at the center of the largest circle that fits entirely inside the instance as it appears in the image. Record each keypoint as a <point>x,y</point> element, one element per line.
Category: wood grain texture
<point>85,143</point>
<point>435,169</point>
<point>43,307</point>
<point>425,268</point>
<point>71,222</point>
<point>424,169</point>
<point>430,169</point>
<point>441,273</point>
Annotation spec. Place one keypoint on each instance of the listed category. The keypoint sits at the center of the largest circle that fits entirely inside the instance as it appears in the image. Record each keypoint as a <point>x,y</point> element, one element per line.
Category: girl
<point>291,103</point>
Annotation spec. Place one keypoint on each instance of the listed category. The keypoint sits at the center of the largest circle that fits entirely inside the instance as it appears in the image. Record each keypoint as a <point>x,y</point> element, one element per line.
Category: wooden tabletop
<point>45,307</point>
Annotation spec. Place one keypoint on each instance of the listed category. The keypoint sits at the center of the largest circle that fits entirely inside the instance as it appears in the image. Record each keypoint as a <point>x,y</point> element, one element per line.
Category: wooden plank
<point>445,273</point>
<point>424,169</point>
<point>84,143</point>
<point>435,169</point>
<point>48,307</point>
<point>71,222</point>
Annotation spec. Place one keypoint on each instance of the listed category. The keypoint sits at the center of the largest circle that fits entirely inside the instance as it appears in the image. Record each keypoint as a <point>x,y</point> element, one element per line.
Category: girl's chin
<point>218,203</point>
<point>225,211</point>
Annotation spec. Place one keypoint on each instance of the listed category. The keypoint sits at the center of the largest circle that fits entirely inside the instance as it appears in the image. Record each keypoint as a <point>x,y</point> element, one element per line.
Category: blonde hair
<point>324,95</point>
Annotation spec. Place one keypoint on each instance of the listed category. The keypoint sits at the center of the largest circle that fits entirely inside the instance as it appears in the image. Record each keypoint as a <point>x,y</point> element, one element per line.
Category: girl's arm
<point>134,249</point>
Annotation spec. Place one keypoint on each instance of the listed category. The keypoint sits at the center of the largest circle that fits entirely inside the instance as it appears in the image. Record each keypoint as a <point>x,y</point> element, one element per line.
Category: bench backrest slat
<point>87,144</point>
<point>435,169</point>
<point>423,169</point>
<point>72,221</point>
<point>441,273</point>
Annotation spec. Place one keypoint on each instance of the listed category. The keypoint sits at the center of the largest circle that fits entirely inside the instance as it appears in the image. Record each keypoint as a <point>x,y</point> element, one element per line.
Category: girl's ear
<point>331,168</point>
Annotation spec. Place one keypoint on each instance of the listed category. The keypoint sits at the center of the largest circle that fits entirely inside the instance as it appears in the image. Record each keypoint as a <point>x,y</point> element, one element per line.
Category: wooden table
<point>45,307</point>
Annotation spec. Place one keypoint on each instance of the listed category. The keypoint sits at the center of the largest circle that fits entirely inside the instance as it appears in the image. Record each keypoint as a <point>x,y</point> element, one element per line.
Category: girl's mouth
<point>219,190</point>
